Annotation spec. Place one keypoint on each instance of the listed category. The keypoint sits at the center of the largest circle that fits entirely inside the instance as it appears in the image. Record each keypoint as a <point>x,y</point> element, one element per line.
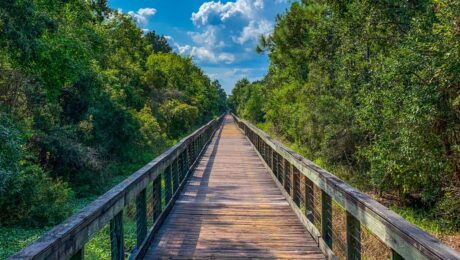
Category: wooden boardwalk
<point>232,208</point>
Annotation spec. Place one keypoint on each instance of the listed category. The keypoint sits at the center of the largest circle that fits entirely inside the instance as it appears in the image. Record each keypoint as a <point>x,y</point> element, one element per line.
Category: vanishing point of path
<point>232,208</point>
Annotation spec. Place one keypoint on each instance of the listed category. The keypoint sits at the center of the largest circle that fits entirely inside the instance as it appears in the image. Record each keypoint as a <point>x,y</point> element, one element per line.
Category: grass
<point>424,220</point>
<point>13,239</point>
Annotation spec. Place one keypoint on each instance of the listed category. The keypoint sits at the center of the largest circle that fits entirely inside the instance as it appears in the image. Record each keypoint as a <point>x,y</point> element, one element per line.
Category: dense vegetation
<point>85,96</point>
<point>369,90</point>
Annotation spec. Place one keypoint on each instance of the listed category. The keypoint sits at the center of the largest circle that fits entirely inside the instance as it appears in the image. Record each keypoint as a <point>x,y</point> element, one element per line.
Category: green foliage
<point>84,97</point>
<point>158,43</point>
<point>370,89</point>
<point>178,116</point>
<point>248,100</point>
<point>27,195</point>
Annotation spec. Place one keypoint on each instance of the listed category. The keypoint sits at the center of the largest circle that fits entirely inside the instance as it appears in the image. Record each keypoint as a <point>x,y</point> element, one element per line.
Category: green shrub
<point>27,195</point>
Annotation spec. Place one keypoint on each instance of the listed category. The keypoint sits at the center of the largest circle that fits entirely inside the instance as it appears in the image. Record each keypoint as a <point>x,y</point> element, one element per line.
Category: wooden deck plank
<point>231,208</point>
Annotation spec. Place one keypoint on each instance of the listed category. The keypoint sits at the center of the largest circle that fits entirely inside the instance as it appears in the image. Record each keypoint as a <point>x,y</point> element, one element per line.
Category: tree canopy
<point>371,90</point>
<point>86,95</point>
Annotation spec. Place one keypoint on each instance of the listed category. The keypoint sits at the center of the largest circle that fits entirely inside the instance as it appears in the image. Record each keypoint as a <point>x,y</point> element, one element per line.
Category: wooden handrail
<point>67,240</point>
<point>404,239</point>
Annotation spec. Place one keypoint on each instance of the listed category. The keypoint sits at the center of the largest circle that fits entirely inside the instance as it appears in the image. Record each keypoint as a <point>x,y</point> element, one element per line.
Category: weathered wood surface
<point>231,208</point>
<point>403,238</point>
<point>68,239</point>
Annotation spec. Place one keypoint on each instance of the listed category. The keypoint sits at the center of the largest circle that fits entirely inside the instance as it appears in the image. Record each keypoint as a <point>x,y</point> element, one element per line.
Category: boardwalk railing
<point>150,193</point>
<point>346,223</point>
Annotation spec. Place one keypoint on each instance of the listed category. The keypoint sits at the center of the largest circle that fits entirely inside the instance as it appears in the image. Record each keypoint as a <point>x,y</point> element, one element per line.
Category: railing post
<point>175,174</point>
<point>326,218</point>
<point>181,167</point>
<point>353,238</point>
<point>284,174</point>
<point>141,217</point>
<point>271,160</point>
<point>156,198</point>
<point>279,163</point>
<point>168,187</point>
<point>79,255</point>
<point>262,149</point>
<point>295,185</point>
<point>116,237</point>
<point>309,199</point>
<point>189,157</point>
<point>275,164</point>
<point>191,152</point>
<point>194,150</point>
<point>395,255</point>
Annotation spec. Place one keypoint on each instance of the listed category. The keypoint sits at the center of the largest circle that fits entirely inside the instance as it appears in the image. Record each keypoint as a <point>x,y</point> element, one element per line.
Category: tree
<point>159,43</point>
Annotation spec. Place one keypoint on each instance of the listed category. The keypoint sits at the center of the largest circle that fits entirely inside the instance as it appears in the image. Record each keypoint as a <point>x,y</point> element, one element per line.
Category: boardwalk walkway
<point>231,208</point>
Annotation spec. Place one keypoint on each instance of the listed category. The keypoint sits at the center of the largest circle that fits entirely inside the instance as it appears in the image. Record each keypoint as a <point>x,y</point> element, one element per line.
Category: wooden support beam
<point>396,256</point>
<point>326,218</point>
<point>309,200</point>
<point>175,175</point>
<point>168,186</point>
<point>156,198</point>
<point>141,217</point>
<point>116,237</point>
<point>353,238</point>
<point>407,240</point>
<point>80,255</point>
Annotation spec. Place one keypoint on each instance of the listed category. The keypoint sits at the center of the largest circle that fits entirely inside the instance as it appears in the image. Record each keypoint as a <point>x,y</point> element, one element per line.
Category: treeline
<point>369,90</point>
<point>85,96</point>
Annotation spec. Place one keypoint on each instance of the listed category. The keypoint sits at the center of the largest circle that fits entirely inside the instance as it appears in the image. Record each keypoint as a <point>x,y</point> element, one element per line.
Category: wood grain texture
<point>404,238</point>
<point>231,208</point>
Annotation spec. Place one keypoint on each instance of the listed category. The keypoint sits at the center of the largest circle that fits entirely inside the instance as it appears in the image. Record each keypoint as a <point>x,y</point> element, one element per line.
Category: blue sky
<point>221,36</point>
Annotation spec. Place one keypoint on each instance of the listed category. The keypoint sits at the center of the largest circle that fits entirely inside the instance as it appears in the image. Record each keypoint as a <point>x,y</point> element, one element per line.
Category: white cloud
<point>143,15</point>
<point>259,4</point>
<point>205,55</point>
<point>211,13</point>
<point>253,31</point>
<point>207,38</point>
<point>228,75</point>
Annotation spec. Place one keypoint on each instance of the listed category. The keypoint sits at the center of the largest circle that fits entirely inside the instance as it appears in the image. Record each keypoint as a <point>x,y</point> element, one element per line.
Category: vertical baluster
<point>186,162</point>
<point>278,167</point>
<point>266,153</point>
<point>193,151</point>
<point>396,256</point>
<point>284,174</point>
<point>181,167</point>
<point>271,159</point>
<point>156,198</point>
<point>175,175</point>
<point>309,199</point>
<point>287,177</point>
<point>294,185</point>
<point>326,218</point>
<point>168,188</point>
<point>263,151</point>
<point>141,217</point>
<point>189,157</point>
<point>353,238</point>
<point>79,255</point>
<point>116,237</point>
